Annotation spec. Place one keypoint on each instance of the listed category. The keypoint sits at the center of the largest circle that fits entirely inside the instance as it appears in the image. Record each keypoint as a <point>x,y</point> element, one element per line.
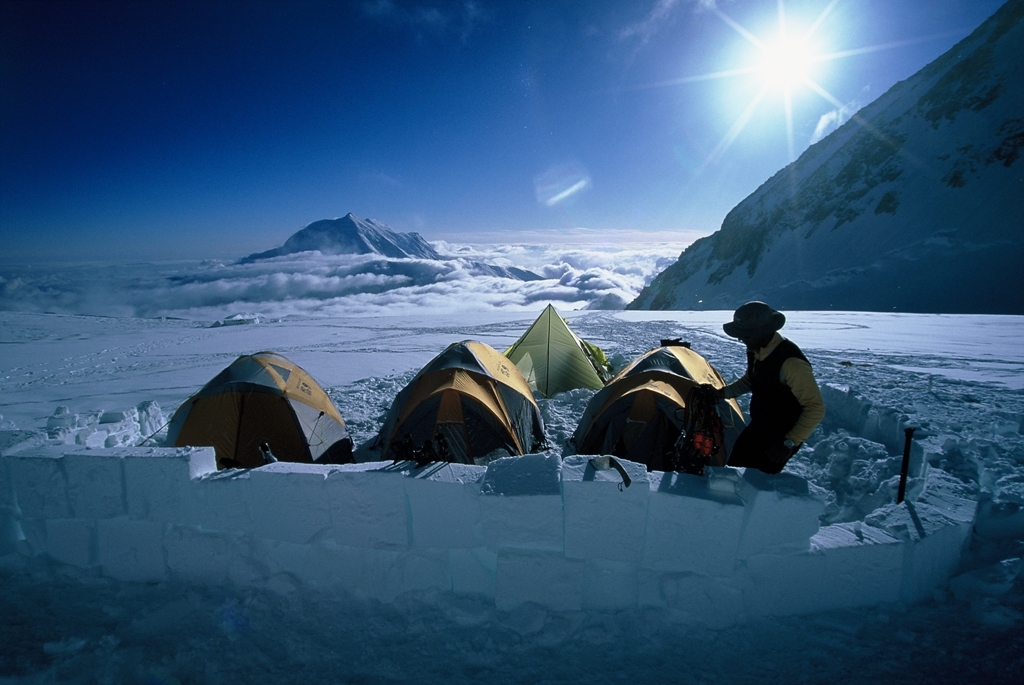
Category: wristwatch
<point>789,444</point>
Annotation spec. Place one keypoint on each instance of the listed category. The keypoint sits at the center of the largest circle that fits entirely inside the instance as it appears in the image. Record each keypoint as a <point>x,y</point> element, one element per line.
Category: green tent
<point>553,359</point>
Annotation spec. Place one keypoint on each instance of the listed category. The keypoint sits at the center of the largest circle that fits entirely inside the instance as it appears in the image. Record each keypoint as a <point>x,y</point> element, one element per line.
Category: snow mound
<point>132,426</point>
<point>238,320</point>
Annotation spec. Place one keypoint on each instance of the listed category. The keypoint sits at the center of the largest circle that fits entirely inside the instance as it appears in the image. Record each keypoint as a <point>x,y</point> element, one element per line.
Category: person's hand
<point>777,454</point>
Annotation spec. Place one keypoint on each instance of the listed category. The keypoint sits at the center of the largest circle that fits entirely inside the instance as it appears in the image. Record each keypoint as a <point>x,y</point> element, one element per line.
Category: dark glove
<point>777,454</point>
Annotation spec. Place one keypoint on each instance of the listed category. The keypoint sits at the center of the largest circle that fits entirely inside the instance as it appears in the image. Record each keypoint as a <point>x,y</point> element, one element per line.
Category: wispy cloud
<point>657,18</point>
<point>833,119</point>
<point>660,16</point>
<point>460,18</point>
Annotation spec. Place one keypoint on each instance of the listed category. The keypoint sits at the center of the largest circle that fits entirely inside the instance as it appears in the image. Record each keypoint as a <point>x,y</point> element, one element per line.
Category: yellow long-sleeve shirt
<point>799,377</point>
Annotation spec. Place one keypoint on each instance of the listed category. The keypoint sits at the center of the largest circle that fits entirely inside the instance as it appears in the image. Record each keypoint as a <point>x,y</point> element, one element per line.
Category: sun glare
<point>788,67</point>
<point>785,65</point>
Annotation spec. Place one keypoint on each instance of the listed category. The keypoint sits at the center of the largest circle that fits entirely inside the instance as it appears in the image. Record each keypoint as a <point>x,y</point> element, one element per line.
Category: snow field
<point>534,530</point>
<point>234,616</point>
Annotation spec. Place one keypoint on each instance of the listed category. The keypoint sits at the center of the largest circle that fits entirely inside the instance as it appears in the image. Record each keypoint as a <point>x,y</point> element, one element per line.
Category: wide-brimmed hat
<point>754,320</point>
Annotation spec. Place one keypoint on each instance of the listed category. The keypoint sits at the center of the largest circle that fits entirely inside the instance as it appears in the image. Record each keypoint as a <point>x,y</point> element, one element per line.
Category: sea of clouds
<point>313,284</point>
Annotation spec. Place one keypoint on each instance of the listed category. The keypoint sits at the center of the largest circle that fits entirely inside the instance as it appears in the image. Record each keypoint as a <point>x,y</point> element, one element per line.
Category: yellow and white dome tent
<point>467,405</point>
<point>642,412</point>
<point>261,403</point>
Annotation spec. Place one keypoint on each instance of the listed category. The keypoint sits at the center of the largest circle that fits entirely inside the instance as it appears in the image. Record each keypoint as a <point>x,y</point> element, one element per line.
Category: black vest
<point>772,404</point>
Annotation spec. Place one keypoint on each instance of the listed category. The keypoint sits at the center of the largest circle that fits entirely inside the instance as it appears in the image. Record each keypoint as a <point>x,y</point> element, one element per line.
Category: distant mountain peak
<point>351,234</point>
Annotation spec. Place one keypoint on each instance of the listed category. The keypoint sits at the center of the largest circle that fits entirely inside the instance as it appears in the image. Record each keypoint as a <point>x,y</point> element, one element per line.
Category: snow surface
<point>958,379</point>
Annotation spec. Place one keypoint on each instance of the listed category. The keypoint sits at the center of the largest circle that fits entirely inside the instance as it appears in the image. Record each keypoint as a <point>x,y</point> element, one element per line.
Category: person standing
<point>785,404</point>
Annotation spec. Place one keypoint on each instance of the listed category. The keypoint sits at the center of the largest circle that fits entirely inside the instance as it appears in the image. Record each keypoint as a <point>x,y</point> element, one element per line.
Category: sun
<point>782,65</point>
<point>785,65</point>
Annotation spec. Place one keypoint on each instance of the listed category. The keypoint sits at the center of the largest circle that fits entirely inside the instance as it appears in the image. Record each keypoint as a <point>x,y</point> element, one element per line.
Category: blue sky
<point>165,130</point>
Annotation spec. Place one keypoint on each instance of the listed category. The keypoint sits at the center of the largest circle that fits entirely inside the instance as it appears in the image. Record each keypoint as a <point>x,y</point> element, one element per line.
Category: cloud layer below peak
<point>312,284</point>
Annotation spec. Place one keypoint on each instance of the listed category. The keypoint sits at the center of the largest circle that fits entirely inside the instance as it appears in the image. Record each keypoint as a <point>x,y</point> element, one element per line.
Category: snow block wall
<point>863,418</point>
<point>536,529</point>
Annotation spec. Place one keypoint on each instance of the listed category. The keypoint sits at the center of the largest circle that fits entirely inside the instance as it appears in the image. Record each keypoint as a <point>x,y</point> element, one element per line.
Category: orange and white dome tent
<point>261,403</point>
<point>642,412</point>
<point>467,405</point>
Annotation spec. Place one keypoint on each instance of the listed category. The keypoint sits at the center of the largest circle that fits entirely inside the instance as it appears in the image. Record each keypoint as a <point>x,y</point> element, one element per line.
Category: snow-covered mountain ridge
<point>352,235</point>
<point>912,205</point>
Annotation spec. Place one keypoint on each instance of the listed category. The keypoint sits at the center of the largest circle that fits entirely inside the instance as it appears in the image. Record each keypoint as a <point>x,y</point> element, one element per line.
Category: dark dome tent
<point>553,359</point>
<point>468,405</point>
<point>642,412</point>
<point>263,402</point>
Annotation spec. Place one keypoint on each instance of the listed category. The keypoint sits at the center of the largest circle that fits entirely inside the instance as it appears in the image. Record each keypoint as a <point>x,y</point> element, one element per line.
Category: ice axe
<point>905,468</point>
